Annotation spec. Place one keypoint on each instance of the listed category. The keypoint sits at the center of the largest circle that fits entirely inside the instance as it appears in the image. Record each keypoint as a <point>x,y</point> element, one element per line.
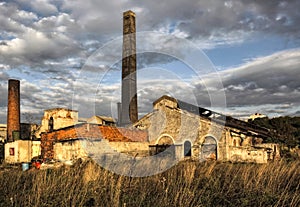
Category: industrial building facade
<point>202,134</point>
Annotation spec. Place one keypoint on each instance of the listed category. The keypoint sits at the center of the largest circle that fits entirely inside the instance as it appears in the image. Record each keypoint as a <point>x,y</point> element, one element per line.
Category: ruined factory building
<point>187,131</point>
<point>57,118</point>
<point>202,134</point>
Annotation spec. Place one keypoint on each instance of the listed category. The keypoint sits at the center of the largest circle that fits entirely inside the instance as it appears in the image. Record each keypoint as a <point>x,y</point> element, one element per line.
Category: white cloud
<point>42,7</point>
<point>34,47</point>
<point>24,17</point>
<point>270,80</point>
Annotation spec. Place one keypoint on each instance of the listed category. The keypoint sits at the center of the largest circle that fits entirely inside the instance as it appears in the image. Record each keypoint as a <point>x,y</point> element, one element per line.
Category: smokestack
<point>129,112</point>
<point>13,110</point>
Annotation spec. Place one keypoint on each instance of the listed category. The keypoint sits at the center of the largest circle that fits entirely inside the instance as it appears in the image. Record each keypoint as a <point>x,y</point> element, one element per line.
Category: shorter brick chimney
<point>13,110</point>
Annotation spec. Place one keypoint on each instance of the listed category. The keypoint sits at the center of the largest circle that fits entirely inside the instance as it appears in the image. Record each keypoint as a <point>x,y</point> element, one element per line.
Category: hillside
<point>187,184</point>
<point>287,127</point>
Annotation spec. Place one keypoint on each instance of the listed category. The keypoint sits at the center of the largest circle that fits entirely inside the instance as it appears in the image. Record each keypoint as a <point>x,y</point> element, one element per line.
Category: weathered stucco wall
<point>82,148</point>
<point>69,150</point>
<point>274,150</point>
<point>21,151</point>
<point>91,131</point>
<point>251,154</point>
<point>139,149</point>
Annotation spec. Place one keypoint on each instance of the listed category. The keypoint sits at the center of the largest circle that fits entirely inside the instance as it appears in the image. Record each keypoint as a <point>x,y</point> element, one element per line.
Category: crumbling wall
<point>21,151</point>
<point>139,149</point>
<point>91,131</point>
<point>103,120</point>
<point>274,150</point>
<point>61,118</point>
<point>69,150</point>
<point>249,154</point>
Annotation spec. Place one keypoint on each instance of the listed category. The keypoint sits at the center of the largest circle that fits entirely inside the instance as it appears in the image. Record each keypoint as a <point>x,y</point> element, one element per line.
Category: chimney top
<point>13,80</point>
<point>129,13</point>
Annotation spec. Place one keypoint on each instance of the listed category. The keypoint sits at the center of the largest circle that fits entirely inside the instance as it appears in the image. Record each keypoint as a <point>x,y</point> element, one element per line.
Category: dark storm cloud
<point>3,90</point>
<point>217,17</point>
<point>197,18</point>
<point>36,31</point>
<point>267,80</point>
<point>36,97</point>
<point>3,100</point>
<point>42,8</point>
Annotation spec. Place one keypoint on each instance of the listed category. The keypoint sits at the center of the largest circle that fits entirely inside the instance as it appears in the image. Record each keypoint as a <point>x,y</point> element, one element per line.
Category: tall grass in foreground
<point>187,184</point>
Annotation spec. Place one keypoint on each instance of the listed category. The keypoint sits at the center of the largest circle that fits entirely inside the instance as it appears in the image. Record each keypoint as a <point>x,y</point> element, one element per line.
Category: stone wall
<point>181,126</point>
<point>231,144</point>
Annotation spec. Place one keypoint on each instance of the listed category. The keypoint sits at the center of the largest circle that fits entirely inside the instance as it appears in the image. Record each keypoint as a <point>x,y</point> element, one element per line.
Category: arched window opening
<point>187,149</point>
<point>165,140</point>
<point>209,149</point>
<point>165,147</point>
<point>51,124</point>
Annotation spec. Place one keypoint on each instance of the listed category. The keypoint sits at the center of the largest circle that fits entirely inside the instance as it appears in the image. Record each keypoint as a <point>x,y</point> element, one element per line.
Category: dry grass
<point>187,184</point>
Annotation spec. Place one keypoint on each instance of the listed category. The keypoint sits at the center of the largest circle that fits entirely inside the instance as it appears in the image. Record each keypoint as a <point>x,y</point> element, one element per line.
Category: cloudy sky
<point>67,54</point>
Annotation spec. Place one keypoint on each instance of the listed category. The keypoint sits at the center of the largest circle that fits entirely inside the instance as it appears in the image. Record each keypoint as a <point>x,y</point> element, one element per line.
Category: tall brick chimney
<point>129,112</point>
<point>13,110</point>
